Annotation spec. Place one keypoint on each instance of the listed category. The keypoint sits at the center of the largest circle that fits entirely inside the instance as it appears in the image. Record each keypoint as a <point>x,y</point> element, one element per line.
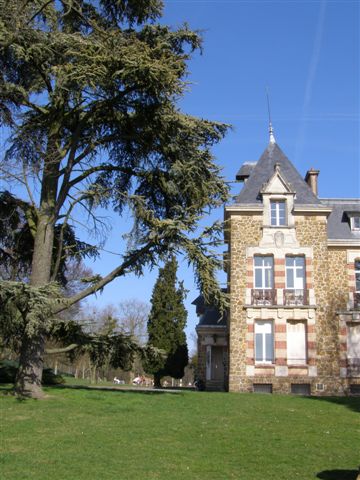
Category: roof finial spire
<point>271,130</point>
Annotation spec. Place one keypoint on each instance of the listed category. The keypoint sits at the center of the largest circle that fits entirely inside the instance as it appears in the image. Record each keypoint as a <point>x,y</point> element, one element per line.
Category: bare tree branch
<point>54,351</point>
<point>117,272</point>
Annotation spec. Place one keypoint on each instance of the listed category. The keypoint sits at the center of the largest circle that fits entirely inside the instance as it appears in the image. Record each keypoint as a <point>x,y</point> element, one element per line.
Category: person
<point>137,380</point>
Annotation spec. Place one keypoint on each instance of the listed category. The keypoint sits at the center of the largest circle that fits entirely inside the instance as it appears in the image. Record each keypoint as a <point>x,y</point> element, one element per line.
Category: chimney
<point>311,178</point>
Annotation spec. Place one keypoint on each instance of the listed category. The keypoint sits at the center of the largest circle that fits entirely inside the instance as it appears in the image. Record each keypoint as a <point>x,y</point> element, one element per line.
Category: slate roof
<point>263,171</point>
<point>245,170</point>
<point>338,221</point>
<point>209,315</point>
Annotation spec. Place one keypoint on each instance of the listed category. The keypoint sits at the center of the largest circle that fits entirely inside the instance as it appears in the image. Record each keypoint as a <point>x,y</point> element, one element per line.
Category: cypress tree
<point>166,324</point>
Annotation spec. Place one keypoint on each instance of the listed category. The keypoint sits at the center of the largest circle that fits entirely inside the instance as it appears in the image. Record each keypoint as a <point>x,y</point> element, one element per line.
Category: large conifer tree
<point>166,324</point>
<point>88,96</point>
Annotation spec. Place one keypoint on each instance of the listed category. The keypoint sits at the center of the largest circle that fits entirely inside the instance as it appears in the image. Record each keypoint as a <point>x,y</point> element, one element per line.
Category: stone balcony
<point>353,368</point>
<point>263,297</point>
<point>279,297</point>
<point>295,297</point>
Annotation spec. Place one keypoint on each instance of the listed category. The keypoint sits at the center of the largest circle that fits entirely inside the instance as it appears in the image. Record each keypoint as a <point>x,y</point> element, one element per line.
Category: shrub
<point>8,369</point>
<point>50,378</point>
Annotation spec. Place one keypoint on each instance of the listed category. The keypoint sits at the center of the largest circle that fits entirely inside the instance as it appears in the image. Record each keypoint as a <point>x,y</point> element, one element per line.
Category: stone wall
<point>245,232</point>
<point>201,366</point>
<point>330,282</point>
<point>328,278</point>
<point>312,231</point>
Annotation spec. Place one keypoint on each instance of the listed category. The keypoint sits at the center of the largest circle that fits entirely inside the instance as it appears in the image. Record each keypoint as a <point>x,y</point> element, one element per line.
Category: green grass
<point>93,434</point>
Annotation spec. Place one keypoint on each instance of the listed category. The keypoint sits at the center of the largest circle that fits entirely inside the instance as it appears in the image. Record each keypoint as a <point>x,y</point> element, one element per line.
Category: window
<point>295,293</point>
<point>300,389</point>
<point>355,389</point>
<point>353,341</point>
<point>264,341</point>
<point>277,213</point>
<point>295,273</point>
<point>355,223</point>
<point>263,272</point>
<point>262,387</point>
<point>296,342</point>
<point>357,285</point>
<point>357,276</point>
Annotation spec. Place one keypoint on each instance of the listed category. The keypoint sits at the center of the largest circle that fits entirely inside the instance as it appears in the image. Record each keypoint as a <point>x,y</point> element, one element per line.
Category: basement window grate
<point>262,387</point>
<point>354,389</point>
<point>300,388</point>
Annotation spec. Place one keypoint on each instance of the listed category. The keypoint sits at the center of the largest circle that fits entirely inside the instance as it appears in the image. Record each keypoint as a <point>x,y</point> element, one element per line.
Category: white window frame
<point>276,220</point>
<point>265,269</point>
<point>261,327</point>
<point>299,273</point>
<point>353,341</point>
<point>357,275</point>
<point>355,223</point>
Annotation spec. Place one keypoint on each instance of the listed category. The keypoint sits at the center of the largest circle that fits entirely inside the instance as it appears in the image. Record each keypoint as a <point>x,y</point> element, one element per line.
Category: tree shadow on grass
<point>352,403</point>
<point>338,474</point>
<point>144,391</point>
<point>6,389</point>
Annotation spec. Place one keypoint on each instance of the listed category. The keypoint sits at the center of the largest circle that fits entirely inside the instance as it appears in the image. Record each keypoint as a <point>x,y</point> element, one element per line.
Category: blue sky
<point>307,53</point>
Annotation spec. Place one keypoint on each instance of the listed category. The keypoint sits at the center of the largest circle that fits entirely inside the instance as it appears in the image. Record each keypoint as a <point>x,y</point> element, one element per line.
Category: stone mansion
<point>293,269</point>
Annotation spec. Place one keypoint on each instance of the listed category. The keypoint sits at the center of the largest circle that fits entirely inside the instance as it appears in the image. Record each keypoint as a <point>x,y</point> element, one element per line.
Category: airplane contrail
<point>315,57</point>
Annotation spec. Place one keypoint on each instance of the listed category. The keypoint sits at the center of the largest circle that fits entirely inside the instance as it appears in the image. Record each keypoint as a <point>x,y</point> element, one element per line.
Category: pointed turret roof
<point>264,170</point>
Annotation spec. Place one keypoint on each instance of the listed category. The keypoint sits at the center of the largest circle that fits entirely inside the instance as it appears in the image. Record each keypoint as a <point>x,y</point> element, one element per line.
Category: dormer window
<point>277,213</point>
<point>355,223</point>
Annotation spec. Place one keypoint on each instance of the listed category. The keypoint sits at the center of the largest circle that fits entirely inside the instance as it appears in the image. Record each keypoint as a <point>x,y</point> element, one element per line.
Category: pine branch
<point>117,272</point>
<point>39,11</point>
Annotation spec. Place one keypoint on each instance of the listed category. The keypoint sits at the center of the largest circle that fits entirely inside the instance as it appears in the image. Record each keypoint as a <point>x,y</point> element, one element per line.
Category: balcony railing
<point>296,297</point>
<point>357,300</point>
<point>263,296</point>
<point>353,365</point>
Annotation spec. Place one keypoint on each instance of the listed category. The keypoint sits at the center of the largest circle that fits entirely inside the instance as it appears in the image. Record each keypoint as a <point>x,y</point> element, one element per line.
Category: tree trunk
<point>28,379</point>
<point>157,381</point>
<point>29,375</point>
<point>43,251</point>
<point>93,375</point>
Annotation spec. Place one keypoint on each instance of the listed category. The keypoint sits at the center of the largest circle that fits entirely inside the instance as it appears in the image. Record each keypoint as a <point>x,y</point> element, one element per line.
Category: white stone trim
<point>281,371</point>
<point>279,237</point>
<point>343,372</point>
<point>352,255</point>
<point>312,371</point>
<point>243,208</point>
<point>208,340</point>
<point>281,315</point>
<point>312,209</point>
<point>344,242</point>
<point>250,370</point>
<point>279,253</point>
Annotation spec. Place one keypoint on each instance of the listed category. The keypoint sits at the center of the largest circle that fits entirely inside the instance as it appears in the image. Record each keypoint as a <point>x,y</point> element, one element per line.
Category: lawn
<point>90,434</point>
